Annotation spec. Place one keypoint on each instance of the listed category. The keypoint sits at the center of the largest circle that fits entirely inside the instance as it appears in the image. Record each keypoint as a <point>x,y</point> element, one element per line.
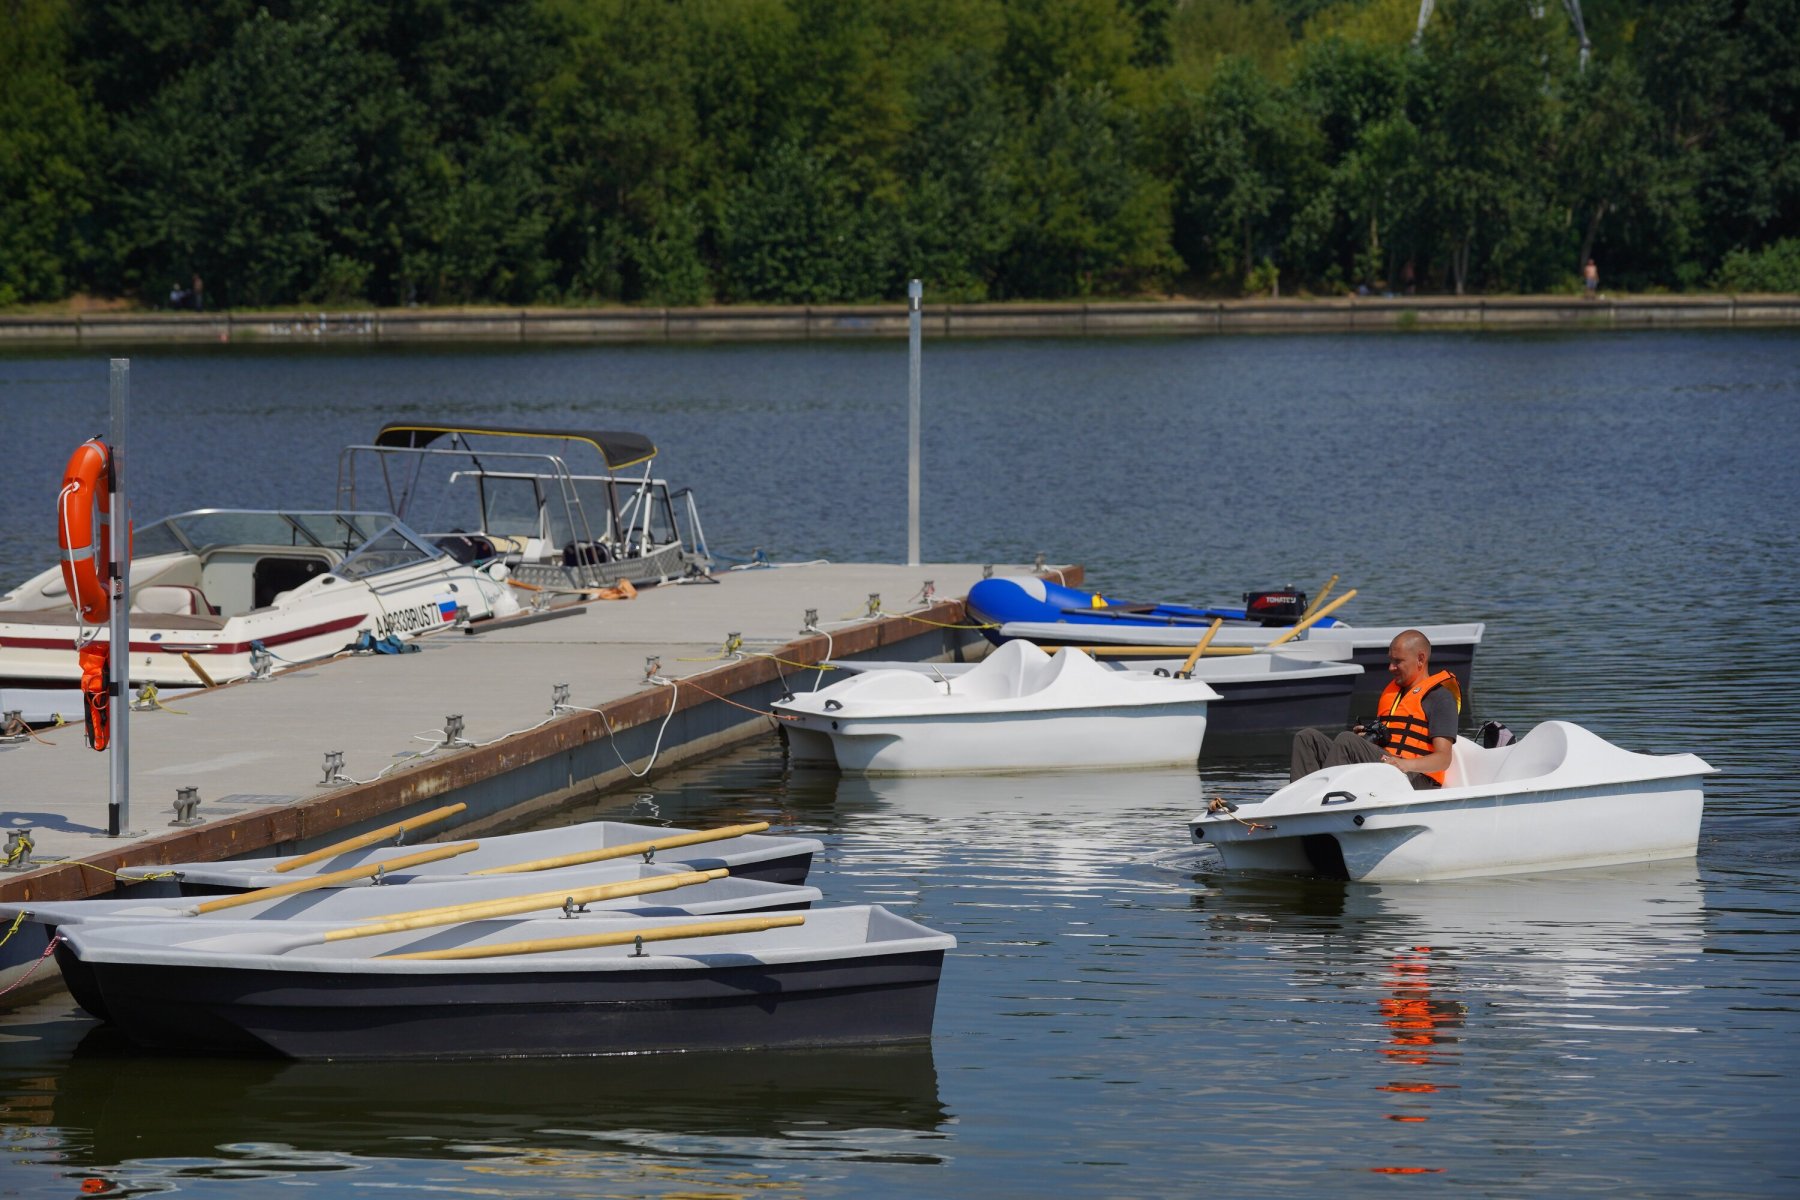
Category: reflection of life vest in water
<point>94,687</point>
<point>1410,1011</point>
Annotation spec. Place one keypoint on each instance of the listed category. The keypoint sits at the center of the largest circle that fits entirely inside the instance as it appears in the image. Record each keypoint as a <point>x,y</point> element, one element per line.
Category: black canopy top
<point>620,450</point>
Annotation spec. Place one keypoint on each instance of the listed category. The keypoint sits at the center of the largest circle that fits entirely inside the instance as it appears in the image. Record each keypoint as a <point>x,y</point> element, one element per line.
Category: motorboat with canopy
<point>508,494</point>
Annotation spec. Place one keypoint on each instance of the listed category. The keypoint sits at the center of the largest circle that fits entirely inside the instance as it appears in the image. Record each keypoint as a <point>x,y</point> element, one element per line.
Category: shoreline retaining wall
<point>888,321</point>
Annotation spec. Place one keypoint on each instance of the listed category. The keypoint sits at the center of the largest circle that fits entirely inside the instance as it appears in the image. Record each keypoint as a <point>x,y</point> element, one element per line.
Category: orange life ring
<point>84,529</point>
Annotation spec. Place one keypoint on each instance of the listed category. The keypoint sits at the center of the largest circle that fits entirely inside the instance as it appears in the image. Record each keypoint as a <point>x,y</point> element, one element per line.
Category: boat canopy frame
<point>403,450</point>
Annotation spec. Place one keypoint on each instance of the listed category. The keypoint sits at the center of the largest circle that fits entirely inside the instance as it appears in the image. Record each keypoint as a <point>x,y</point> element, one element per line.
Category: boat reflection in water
<point>116,1109</point>
<point>1457,981</point>
<point>1044,832</point>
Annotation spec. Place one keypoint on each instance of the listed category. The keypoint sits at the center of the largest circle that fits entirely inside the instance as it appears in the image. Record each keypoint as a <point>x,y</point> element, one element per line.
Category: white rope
<point>612,734</point>
<point>82,635</point>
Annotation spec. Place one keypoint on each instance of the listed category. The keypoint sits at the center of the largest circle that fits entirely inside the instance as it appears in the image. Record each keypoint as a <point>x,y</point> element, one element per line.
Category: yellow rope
<point>733,646</point>
<point>21,848</point>
<point>149,696</point>
<point>126,878</point>
<point>788,662</point>
<point>761,712</point>
<point>17,921</point>
<point>946,625</point>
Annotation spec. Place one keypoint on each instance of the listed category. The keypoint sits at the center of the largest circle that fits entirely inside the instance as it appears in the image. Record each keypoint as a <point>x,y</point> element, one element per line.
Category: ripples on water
<point>1121,1017</point>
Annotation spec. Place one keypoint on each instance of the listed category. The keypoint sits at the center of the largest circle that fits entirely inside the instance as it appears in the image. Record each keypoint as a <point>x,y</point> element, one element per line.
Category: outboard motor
<point>1275,608</point>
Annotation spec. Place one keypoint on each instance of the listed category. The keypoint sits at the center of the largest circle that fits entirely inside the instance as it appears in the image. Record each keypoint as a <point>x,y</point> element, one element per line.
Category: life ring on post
<point>84,529</point>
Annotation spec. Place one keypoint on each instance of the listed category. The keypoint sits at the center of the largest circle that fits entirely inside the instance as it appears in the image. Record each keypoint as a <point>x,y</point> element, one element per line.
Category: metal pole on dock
<point>915,291</point>
<point>118,552</point>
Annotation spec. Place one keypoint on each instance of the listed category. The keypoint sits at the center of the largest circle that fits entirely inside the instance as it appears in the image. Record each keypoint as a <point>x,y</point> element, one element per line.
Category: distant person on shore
<point>177,296</point>
<point>197,294</point>
<point>1590,279</point>
<point>1414,728</point>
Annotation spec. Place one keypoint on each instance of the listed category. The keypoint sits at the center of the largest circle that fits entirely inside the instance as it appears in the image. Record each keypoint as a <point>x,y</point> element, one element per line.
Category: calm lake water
<point>1122,1017</point>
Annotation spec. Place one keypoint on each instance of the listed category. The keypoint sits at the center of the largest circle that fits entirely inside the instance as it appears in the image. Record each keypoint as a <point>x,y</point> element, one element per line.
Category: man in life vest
<point>1414,727</point>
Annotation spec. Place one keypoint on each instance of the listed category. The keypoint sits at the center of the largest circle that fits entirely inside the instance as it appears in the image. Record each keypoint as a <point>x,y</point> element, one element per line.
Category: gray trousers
<point>1314,749</point>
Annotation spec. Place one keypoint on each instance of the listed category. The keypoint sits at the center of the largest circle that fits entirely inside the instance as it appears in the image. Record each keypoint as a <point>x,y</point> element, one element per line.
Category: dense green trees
<point>798,151</point>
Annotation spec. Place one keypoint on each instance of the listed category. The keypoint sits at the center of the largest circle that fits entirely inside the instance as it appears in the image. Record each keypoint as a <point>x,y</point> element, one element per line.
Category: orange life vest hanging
<point>95,701</point>
<point>1409,734</point>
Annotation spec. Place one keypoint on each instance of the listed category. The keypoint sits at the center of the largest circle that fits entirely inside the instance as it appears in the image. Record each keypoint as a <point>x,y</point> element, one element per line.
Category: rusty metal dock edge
<point>530,772</point>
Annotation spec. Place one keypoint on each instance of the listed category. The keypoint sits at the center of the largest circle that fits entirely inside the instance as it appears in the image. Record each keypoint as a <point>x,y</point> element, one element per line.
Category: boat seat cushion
<point>171,598</point>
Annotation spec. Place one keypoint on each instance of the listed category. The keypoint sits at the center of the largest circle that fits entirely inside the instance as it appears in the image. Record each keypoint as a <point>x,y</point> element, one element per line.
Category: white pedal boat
<point>1560,797</point>
<point>208,587</point>
<point>510,988</point>
<point>1260,695</point>
<point>1019,709</point>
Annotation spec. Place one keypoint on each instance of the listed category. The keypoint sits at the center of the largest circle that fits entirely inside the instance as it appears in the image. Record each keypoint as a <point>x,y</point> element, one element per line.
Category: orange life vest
<point>96,687</point>
<point>1409,735</point>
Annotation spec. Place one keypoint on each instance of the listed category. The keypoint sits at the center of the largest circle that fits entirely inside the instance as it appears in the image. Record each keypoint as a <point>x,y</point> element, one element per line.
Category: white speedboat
<point>1560,797</point>
<point>211,588</point>
<point>1018,709</point>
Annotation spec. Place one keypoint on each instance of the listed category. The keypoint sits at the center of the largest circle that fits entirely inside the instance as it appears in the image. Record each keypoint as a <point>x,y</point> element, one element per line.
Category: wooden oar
<point>370,838</point>
<point>333,878</point>
<point>1320,598</point>
<point>1309,622</point>
<point>1151,651</point>
<point>198,670</point>
<point>1287,635</point>
<point>626,851</point>
<point>1187,668</point>
<point>622,937</point>
<point>483,910</point>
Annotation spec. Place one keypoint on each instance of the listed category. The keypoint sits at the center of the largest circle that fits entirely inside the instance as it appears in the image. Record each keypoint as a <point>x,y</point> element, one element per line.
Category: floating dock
<point>679,672</point>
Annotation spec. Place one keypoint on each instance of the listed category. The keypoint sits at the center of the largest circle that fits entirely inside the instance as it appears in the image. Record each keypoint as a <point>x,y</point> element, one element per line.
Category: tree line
<point>683,152</point>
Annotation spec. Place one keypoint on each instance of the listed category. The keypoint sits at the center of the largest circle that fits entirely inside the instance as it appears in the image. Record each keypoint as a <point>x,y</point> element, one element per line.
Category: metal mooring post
<point>915,292</point>
<point>118,552</point>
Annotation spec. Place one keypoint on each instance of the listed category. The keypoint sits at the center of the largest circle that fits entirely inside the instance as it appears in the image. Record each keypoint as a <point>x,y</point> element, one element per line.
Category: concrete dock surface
<point>678,672</point>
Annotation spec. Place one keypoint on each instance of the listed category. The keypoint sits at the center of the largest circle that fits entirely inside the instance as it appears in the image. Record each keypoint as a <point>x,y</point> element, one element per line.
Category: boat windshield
<point>367,542</point>
<point>511,506</point>
<point>396,546</point>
